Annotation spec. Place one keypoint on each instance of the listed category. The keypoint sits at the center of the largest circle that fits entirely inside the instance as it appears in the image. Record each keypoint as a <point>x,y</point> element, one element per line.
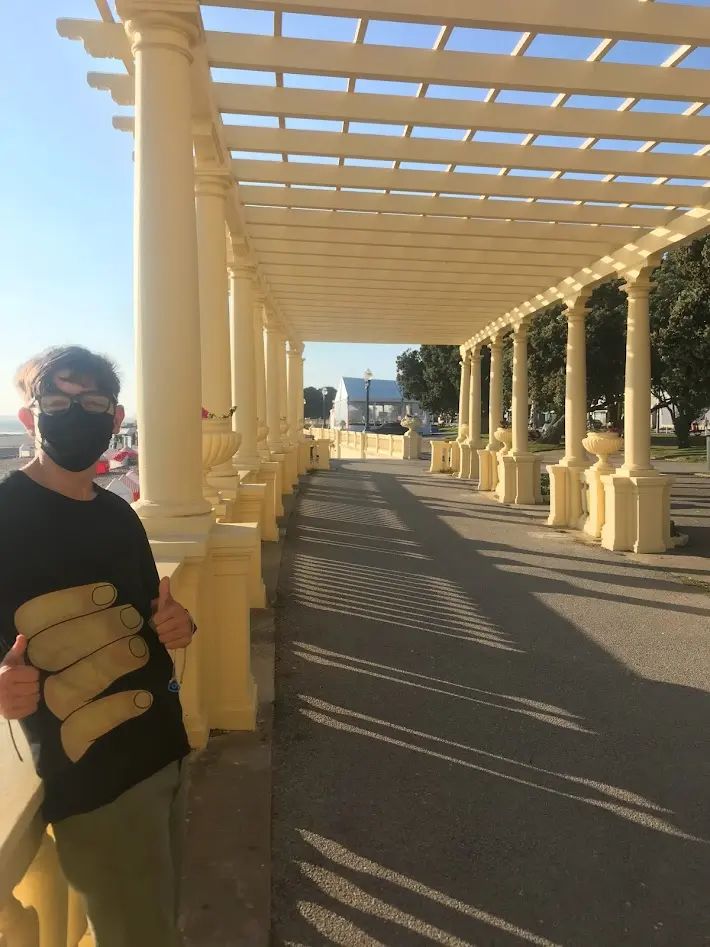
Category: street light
<point>367,376</point>
<point>324,393</point>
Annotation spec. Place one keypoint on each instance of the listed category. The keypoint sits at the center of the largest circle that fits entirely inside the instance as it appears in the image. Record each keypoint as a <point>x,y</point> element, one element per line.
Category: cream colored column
<point>520,401</point>
<point>495,402</point>
<point>487,457</point>
<point>576,384</point>
<point>295,399</point>
<point>567,478</point>
<point>464,396</point>
<point>637,391</point>
<point>294,384</point>
<point>167,328</point>
<point>211,190</point>
<point>244,380</point>
<point>218,439</point>
<point>462,459</point>
<point>289,440</point>
<point>284,413</point>
<point>474,412</point>
<point>271,470</point>
<point>259,359</point>
<point>526,468</point>
<point>272,348</point>
<point>637,499</point>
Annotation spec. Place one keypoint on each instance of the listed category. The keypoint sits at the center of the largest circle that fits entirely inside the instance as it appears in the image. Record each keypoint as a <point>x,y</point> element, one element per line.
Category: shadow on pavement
<point>457,762</point>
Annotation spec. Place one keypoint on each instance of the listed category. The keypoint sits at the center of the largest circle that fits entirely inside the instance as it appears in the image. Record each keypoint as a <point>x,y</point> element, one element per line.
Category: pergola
<point>432,171</point>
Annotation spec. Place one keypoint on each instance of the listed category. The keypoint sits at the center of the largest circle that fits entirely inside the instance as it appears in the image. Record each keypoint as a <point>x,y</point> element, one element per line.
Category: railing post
<point>44,888</point>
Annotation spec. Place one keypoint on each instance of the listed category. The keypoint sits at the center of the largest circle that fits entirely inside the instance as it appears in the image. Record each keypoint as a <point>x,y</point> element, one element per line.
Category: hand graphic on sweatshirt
<point>86,644</point>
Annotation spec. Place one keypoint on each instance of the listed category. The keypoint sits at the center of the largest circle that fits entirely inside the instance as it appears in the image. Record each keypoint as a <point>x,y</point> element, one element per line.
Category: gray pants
<point>124,858</point>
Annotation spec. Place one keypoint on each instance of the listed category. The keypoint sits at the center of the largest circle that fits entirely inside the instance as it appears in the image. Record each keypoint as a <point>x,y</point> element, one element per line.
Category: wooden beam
<point>396,289</point>
<point>268,248</point>
<point>356,291</point>
<point>451,206</point>
<point>450,113</point>
<point>446,268</point>
<point>476,153</point>
<point>437,113</point>
<point>399,64</point>
<point>415,272</point>
<point>435,231</point>
<point>617,19</point>
<point>490,185</point>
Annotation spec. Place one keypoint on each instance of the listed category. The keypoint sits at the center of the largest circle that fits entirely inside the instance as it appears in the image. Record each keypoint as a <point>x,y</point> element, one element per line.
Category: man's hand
<point>19,683</point>
<point>171,621</point>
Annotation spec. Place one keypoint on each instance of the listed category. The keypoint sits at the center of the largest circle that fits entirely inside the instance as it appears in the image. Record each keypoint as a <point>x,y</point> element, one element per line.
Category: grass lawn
<point>663,447</point>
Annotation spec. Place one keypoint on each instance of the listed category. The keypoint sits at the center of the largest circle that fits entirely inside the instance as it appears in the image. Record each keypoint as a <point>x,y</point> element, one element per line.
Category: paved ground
<point>487,733</point>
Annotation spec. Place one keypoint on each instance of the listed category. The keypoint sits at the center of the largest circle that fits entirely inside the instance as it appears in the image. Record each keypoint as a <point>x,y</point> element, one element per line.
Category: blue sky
<point>66,184</point>
<point>66,192</point>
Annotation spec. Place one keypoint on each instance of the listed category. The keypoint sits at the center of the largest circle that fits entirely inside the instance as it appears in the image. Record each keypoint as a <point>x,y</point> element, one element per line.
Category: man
<point>85,632</point>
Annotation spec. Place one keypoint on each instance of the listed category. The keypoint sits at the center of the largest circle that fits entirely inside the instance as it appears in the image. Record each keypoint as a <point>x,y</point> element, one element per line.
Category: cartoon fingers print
<point>86,643</point>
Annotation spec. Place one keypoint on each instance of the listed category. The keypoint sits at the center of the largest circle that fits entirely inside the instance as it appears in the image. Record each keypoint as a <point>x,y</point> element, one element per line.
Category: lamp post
<point>324,393</point>
<point>367,376</point>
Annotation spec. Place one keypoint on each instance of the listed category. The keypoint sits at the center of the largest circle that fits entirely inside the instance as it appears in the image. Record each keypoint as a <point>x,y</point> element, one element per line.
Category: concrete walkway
<point>486,732</point>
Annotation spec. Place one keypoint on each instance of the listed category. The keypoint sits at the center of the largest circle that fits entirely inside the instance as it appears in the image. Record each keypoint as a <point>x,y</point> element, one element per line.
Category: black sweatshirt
<point>77,578</point>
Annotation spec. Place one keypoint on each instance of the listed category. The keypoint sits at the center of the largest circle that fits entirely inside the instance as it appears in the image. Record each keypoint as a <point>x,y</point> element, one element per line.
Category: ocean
<point>10,425</point>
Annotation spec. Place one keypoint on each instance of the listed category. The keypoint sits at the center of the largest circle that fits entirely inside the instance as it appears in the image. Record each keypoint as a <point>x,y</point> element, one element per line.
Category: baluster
<point>44,888</point>
<point>77,925</point>
<point>19,926</point>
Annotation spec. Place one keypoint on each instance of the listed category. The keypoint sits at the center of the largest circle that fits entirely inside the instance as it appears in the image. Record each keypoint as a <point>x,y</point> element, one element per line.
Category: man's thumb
<point>16,655</point>
<point>164,592</point>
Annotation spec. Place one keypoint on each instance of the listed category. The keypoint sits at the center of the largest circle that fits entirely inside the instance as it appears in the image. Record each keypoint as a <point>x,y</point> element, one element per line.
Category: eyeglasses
<point>90,401</point>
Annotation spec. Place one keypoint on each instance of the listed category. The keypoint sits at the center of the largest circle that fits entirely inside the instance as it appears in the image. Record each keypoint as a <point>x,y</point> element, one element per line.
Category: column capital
<point>495,343</point>
<point>295,349</point>
<point>520,330</point>
<point>214,183</point>
<point>577,305</point>
<point>639,283</point>
<point>170,24</point>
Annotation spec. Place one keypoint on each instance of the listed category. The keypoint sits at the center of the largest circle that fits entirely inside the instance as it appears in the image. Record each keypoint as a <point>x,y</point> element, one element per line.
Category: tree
<point>680,318</point>
<point>314,407</point>
<point>432,376</point>
<point>547,357</point>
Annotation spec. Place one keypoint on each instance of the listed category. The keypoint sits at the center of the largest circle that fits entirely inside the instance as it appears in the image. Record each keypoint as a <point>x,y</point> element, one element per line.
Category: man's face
<point>64,383</point>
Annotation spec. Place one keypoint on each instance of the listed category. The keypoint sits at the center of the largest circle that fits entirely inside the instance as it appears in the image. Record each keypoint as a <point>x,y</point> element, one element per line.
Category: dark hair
<point>34,378</point>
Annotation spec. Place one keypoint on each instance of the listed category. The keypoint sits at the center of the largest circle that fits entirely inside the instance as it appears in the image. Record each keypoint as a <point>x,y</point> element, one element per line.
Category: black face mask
<point>75,440</point>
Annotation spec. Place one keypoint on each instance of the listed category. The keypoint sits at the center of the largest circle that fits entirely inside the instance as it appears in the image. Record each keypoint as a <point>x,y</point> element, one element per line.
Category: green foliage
<point>432,376</point>
<point>606,349</point>
<point>314,407</point>
<point>680,319</point>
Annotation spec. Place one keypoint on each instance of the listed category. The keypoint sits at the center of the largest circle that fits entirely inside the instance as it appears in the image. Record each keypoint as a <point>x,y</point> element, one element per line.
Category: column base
<point>527,479</point>
<point>304,457</point>
<point>506,486</point>
<point>271,473</point>
<point>637,513</point>
<point>284,486</point>
<point>488,470</point>
<point>230,687</point>
<point>567,486</point>
<point>464,471</point>
<point>291,454</point>
<point>593,497</point>
<point>175,528</point>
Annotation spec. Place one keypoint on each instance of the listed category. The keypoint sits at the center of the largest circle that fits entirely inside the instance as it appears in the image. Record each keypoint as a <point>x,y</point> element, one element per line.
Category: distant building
<point>387,405</point>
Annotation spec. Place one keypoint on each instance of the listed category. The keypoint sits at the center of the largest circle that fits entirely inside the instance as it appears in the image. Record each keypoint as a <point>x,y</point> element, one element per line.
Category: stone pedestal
<point>488,470</point>
<point>230,694</point>
<point>637,513</point>
<point>506,486</point>
<point>527,479</point>
<point>464,469</point>
<point>566,485</point>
